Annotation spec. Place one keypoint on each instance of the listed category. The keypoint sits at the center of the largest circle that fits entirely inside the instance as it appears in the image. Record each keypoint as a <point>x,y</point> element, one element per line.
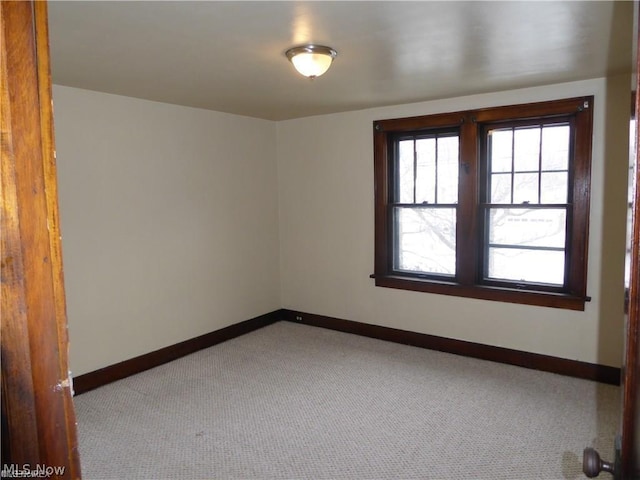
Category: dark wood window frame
<point>468,281</point>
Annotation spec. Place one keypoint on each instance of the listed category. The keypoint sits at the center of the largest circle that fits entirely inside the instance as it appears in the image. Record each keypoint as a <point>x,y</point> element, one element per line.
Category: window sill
<point>499,294</point>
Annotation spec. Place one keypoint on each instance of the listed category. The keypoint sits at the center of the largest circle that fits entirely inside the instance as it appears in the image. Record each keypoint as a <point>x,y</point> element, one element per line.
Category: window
<point>631,195</point>
<point>490,204</point>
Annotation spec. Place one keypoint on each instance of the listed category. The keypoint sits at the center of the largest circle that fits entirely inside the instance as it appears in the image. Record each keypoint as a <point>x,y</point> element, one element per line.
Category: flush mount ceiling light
<point>311,60</point>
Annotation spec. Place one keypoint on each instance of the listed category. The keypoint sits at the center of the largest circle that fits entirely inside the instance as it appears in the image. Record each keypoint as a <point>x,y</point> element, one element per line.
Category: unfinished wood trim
<point>535,361</point>
<point>104,376</point>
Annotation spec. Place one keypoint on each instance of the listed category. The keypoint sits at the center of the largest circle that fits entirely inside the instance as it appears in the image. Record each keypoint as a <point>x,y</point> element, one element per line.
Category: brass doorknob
<point>592,464</point>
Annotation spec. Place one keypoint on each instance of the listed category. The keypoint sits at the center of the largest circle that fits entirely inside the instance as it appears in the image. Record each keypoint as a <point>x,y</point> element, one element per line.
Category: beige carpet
<point>296,402</point>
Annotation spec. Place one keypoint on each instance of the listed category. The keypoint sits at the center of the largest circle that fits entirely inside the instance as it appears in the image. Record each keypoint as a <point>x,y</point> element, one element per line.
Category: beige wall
<point>178,221</point>
<point>169,219</point>
<point>325,170</point>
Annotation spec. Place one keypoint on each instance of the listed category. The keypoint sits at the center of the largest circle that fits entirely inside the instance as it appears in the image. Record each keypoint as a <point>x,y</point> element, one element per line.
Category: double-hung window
<point>490,204</point>
<point>424,202</point>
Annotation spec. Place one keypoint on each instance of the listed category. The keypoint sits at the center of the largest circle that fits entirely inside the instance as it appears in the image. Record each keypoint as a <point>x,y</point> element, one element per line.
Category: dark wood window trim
<point>468,282</point>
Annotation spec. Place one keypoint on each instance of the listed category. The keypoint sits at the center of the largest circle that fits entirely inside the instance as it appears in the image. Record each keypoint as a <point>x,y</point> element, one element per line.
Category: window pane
<point>525,188</point>
<point>426,240</point>
<point>519,265</point>
<point>631,188</point>
<point>553,188</point>
<point>448,155</point>
<point>405,171</point>
<point>627,257</point>
<point>526,149</point>
<point>555,147</point>
<point>426,170</point>
<point>501,150</point>
<point>501,188</point>
<point>527,227</point>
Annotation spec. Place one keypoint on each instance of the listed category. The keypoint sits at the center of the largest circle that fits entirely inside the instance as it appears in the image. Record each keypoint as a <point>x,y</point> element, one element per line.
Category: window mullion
<point>467,222</point>
<point>415,169</point>
<point>540,166</point>
<point>513,161</point>
<point>435,193</point>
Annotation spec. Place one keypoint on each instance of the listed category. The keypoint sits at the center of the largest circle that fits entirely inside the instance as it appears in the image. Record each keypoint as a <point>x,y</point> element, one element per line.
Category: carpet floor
<point>291,401</point>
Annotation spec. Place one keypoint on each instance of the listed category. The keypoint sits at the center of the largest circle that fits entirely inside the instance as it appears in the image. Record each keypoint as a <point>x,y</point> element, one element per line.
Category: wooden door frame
<point>630,441</point>
<point>38,418</point>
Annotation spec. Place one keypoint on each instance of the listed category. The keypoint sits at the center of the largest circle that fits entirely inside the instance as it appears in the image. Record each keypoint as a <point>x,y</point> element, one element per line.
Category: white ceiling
<point>229,56</point>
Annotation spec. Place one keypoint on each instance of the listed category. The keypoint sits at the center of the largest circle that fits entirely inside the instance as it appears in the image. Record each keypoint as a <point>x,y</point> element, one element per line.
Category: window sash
<point>406,155</point>
<point>535,200</point>
<point>432,251</point>
<point>534,245</point>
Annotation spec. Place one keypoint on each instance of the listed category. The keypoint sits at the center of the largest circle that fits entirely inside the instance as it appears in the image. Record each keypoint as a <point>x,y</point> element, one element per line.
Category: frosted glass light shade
<point>311,60</point>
